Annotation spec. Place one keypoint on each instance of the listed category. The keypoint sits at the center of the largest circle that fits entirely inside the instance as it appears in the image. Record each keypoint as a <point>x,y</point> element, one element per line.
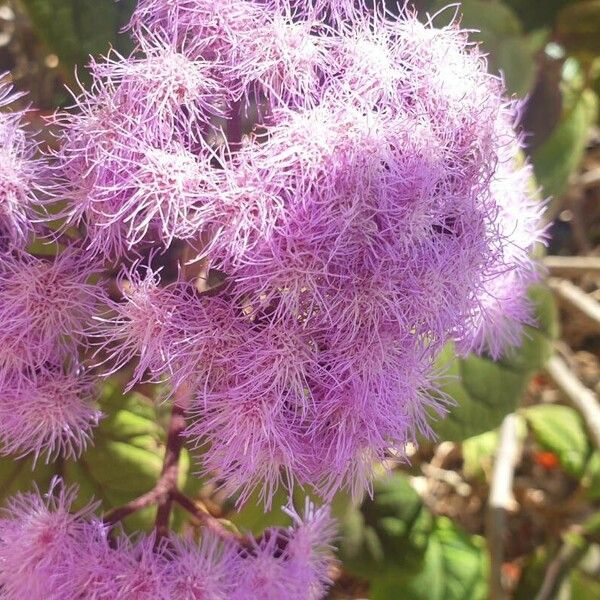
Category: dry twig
<point>577,298</point>
<point>577,394</point>
<point>572,266</point>
<point>501,501</point>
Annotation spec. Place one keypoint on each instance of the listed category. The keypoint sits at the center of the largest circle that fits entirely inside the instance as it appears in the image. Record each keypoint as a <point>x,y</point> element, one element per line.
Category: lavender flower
<point>201,569</point>
<point>39,541</point>
<point>150,325</point>
<point>44,306</point>
<point>48,552</point>
<point>355,177</point>
<point>290,564</point>
<point>49,412</point>
<point>19,169</point>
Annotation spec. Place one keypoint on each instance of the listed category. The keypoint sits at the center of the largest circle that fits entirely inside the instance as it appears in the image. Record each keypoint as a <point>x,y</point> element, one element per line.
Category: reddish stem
<point>170,470</point>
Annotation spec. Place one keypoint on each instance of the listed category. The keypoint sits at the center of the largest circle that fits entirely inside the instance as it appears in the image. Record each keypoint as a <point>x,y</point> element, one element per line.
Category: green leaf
<point>560,430</point>
<point>486,391</point>
<point>389,532</point>
<point>558,157</point>
<point>74,29</point>
<point>583,586</point>
<point>533,15</point>
<point>254,518</point>
<point>478,453</point>
<point>455,568</point>
<point>591,477</point>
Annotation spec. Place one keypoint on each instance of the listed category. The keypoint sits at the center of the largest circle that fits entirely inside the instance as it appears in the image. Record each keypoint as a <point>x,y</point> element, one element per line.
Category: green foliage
<point>478,451</point>
<point>534,15</point>
<point>74,29</point>
<point>583,586</point>
<point>454,568</point>
<point>254,518</point>
<point>560,430</point>
<point>558,157</point>
<point>390,531</point>
<point>405,552</point>
<point>486,391</point>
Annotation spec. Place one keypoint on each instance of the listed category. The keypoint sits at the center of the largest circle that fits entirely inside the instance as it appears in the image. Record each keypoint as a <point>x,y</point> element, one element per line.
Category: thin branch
<point>207,520</point>
<point>501,501</point>
<point>170,469</point>
<point>577,394</point>
<point>574,266</point>
<point>577,298</point>
<point>122,512</point>
<point>570,553</point>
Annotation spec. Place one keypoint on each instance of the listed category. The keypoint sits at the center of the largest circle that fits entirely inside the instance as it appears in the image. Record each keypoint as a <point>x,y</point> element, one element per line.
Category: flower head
<point>47,412</point>
<point>40,541</point>
<point>19,172</point>
<point>44,307</point>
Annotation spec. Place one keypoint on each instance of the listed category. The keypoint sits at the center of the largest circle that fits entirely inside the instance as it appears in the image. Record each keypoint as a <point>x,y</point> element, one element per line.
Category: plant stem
<point>170,470</point>
<point>207,519</point>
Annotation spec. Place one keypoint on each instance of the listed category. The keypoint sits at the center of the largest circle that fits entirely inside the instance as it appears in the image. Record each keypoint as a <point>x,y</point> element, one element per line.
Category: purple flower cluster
<point>49,552</point>
<point>45,395</point>
<point>358,181</point>
<point>18,170</point>
<point>351,181</point>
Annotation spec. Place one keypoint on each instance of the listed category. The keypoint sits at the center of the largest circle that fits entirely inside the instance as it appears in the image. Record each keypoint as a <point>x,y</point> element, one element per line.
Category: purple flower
<point>40,541</point>
<point>44,307</point>
<point>50,552</point>
<point>374,211</point>
<point>200,569</point>
<point>289,564</point>
<point>149,324</point>
<point>19,171</point>
<point>49,412</point>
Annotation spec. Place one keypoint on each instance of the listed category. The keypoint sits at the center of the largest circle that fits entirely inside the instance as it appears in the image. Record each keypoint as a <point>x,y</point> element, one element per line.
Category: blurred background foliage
<point>425,534</point>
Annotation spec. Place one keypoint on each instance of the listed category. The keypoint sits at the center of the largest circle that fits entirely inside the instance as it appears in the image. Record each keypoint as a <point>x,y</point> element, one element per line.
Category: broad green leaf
<point>534,14</point>
<point>486,391</point>
<point>389,533</point>
<point>21,476</point>
<point>478,451</point>
<point>560,429</point>
<point>454,568</point>
<point>558,157</point>
<point>583,586</point>
<point>254,518</point>
<point>515,57</point>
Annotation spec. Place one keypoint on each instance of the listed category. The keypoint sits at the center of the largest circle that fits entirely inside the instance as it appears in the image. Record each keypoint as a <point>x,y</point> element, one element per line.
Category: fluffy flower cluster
<point>357,179</point>
<point>353,183</point>
<point>45,395</point>
<point>18,170</point>
<point>49,552</point>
